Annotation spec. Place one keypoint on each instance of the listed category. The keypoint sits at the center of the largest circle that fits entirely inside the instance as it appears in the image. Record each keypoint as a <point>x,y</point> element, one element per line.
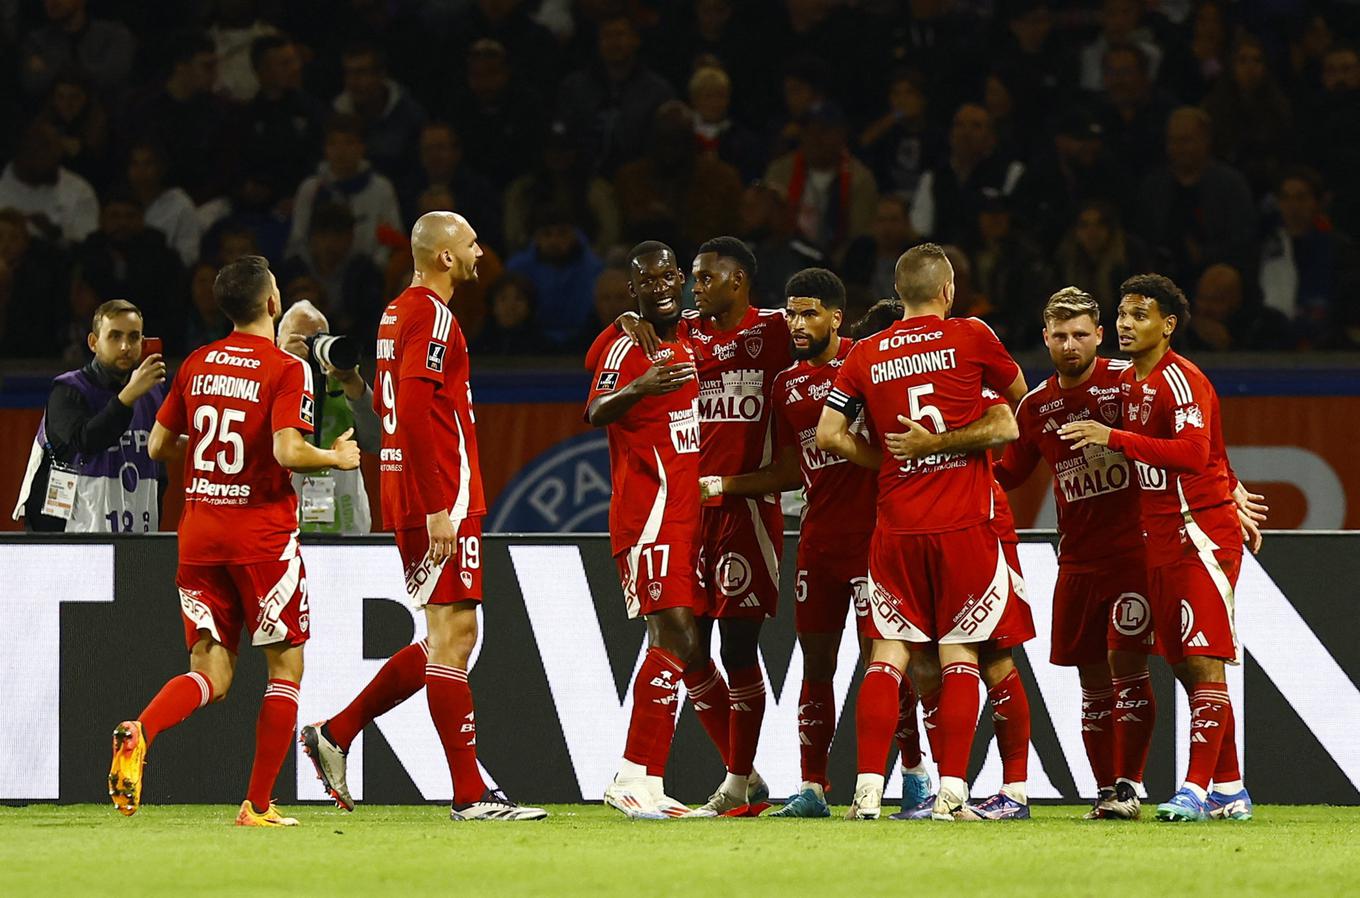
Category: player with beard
<point>649,408</point>
<point>833,545</point>
<point>432,497</point>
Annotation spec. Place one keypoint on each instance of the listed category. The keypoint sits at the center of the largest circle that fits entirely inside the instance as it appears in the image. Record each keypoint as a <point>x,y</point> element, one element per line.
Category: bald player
<point>432,498</point>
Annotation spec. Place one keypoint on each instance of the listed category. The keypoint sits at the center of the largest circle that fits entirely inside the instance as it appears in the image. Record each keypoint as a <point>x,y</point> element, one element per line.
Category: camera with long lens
<point>339,352</point>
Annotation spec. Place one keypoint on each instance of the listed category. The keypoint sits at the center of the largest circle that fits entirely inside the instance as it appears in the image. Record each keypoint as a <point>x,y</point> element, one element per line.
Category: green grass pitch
<point>588,850</point>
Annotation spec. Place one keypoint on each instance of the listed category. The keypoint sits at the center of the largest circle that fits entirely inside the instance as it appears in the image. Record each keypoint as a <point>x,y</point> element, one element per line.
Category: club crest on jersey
<point>466,577</point>
<point>1189,416</point>
<point>1146,411</point>
<point>608,381</point>
<point>1109,411</point>
<point>753,346</point>
<point>308,410</point>
<point>434,358</point>
<point>654,590</point>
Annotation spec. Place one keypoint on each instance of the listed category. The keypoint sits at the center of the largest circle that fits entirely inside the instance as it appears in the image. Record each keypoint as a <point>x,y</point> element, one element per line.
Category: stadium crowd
<point>146,145</point>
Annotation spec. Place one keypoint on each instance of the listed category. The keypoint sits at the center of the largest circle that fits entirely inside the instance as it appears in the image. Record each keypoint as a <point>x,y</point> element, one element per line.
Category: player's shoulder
<point>1183,378</point>
<point>974,326</point>
<point>616,353</point>
<point>1036,397</point>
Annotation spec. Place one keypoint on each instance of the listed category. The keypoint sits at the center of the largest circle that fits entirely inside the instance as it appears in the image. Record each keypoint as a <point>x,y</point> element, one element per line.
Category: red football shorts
<point>1100,611</point>
<point>659,576</point>
<point>831,576</point>
<point>458,579</point>
<point>950,587</point>
<point>738,566</point>
<point>270,597</point>
<point>1192,604</point>
<point>1017,625</point>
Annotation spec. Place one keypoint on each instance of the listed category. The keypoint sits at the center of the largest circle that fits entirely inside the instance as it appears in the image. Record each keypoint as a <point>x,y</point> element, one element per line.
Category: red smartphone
<point>152,345</point>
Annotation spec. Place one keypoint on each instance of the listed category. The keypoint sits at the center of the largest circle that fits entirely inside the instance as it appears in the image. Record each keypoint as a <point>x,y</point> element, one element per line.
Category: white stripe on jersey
<point>650,531</point>
<point>618,351</point>
<point>1179,385</point>
<point>443,321</point>
<point>1119,364</point>
<point>460,505</point>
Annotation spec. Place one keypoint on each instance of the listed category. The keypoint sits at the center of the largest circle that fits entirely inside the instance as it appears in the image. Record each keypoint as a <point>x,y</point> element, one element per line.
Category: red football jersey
<point>653,451</point>
<point>418,337</point>
<point>736,380</point>
<point>1174,433</point>
<point>931,370</point>
<point>840,495</point>
<point>1096,500</point>
<point>230,397</point>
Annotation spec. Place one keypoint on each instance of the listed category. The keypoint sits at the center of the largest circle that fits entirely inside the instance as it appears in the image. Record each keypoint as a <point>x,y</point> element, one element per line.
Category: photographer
<point>89,471</point>
<point>332,501</point>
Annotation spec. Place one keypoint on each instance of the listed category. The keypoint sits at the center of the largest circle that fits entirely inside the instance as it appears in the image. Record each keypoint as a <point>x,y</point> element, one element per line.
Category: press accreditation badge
<point>318,500</point>
<point>61,494</point>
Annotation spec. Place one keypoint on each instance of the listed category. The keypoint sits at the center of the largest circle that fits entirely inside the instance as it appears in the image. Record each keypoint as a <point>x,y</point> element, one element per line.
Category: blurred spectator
<point>1221,321</point>
<point>871,260</point>
<point>675,193</point>
<point>968,302</point>
<point>1132,114</point>
<point>831,194</point>
<point>1309,272</point>
<point>510,328</point>
<point>33,281</point>
<point>946,201</point>
<point>441,165</point>
<point>345,177</point>
<point>766,229</point>
<point>1098,255</point>
<point>563,270</point>
<point>1333,133</point>
<point>82,125</point>
<point>943,39</point>
<point>1208,47</point>
<point>194,125</point>
<point>612,299</point>
<point>499,119</point>
<point>902,143</point>
<point>1310,38</point>
<point>1120,23</point>
<point>532,50</point>
<point>614,97</point>
<point>1196,211</point>
<point>563,178</point>
<point>233,241</point>
<point>102,49</point>
<point>282,122</point>
<point>391,120</point>
<point>125,259</point>
<point>1252,126</point>
<point>1009,269</point>
<point>60,204</point>
<point>1077,166</point>
<point>203,320</point>
<point>715,34</point>
<point>235,29</point>
<point>166,209</point>
<point>710,94</point>
<point>253,206</point>
<point>804,89</point>
<point>1035,62</point>
<point>352,283</point>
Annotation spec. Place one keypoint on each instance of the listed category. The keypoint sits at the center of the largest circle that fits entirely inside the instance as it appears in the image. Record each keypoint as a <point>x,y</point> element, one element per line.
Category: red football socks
<point>400,678</point>
<point>876,716</point>
<point>1135,715</point>
<point>708,693</point>
<point>816,726</point>
<point>1210,717</point>
<point>1098,732</point>
<point>957,717</point>
<point>661,746</point>
<point>746,699</point>
<point>1010,717</point>
<point>446,689</point>
<point>1227,769</point>
<point>908,735</point>
<point>273,737</point>
<point>654,693</point>
<point>178,698</point>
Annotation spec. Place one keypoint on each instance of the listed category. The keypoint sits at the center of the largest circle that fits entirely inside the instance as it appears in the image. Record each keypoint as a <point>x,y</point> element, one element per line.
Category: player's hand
<point>1251,533</point>
<point>346,451</point>
<point>443,538</point>
<point>661,379</point>
<point>641,332</point>
<point>916,442</point>
<point>1252,504</point>
<point>710,486</point>
<point>1085,433</point>
<point>149,373</point>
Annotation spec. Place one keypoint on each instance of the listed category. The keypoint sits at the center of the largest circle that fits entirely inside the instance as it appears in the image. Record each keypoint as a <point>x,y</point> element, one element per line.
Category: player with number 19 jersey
<point>238,547</point>
<point>421,347</point>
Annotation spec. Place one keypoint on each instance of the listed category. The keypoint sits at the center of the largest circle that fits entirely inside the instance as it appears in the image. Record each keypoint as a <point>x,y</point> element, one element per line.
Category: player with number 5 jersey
<point>236,413</point>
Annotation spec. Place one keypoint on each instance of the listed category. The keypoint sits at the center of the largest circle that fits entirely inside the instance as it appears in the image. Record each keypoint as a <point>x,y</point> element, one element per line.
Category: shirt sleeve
<point>619,365</point>
<point>294,399</point>
<point>1020,457</point>
<point>602,342</point>
<point>423,342</point>
<point>999,370</point>
<point>1188,404</point>
<point>73,428</point>
<point>171,415</point>
<point>847,395</point>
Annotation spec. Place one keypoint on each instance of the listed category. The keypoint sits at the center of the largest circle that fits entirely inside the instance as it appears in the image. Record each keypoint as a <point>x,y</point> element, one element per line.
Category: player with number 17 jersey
<point>421,347</point>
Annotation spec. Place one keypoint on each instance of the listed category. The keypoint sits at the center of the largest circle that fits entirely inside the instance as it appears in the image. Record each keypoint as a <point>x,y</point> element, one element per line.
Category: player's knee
<point>1125,664</point>
<point>1095,677</point>
<point>737,657</point>
<point>995,666</point>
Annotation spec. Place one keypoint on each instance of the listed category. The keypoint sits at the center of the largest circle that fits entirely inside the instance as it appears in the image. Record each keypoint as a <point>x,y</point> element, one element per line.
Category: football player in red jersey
<point>650,409</point>
<point>937,571</point>
<point>833,545</point>
<point>1172,430</point>
<point>432,497</point>
<point>237,413</point>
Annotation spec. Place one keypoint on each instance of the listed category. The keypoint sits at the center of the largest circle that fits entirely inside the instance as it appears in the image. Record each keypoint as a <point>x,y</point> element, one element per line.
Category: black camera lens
<point>341,353</point>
